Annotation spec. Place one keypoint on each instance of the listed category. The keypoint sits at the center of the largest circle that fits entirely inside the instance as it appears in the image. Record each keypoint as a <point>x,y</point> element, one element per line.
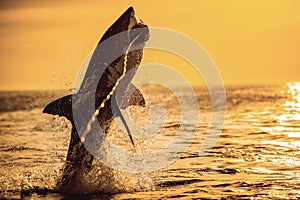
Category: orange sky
<point>43,44</point>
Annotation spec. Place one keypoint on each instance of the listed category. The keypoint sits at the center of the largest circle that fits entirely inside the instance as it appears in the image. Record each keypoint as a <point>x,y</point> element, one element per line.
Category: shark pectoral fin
<point>123,98</point>
<point>131,96</point>
<point>137,98</point>
<point>118,113</point>
<point>127,128</point>
<point>61,107</point>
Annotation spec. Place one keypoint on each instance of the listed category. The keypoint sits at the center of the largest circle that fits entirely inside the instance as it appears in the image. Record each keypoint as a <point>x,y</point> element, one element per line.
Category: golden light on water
<point>292,108</point>
<point>287,118</point>
<point>290,113</point>
<point>294,105</point>
<point>291,118</point>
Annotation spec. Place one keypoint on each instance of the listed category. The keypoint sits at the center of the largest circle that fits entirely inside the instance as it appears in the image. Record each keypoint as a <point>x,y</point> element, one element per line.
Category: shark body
<point>128,37</point>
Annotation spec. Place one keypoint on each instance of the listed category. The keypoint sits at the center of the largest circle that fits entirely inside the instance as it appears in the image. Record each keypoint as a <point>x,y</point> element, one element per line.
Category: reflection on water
<point>292,106</point>
<point>256,156</point>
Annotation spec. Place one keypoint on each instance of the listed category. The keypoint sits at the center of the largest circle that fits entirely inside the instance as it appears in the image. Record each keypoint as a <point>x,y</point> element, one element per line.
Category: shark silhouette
<point>128,37</point>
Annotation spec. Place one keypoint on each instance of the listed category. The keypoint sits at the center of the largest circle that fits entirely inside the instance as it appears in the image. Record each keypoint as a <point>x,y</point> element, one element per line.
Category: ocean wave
<point>27,100</point>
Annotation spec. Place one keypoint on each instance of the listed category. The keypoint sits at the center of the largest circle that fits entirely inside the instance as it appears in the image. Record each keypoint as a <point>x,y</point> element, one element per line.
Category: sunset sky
<point>43,43</point>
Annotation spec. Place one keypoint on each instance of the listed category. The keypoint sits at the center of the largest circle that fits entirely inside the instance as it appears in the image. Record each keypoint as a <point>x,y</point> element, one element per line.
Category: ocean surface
<point>256,156</point>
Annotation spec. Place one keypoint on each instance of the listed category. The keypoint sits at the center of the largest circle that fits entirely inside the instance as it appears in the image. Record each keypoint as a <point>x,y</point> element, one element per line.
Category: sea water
<point>256,156</point>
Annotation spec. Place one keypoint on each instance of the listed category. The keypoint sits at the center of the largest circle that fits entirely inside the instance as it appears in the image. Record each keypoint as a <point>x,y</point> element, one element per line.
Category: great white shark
<point>80,175</point>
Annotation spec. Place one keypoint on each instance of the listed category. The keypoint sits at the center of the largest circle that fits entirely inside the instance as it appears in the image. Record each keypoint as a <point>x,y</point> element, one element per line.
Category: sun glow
<point>41,40</point>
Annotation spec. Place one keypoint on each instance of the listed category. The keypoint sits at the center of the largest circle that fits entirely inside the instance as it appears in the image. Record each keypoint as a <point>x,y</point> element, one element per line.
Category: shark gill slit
<point>97,111</point>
